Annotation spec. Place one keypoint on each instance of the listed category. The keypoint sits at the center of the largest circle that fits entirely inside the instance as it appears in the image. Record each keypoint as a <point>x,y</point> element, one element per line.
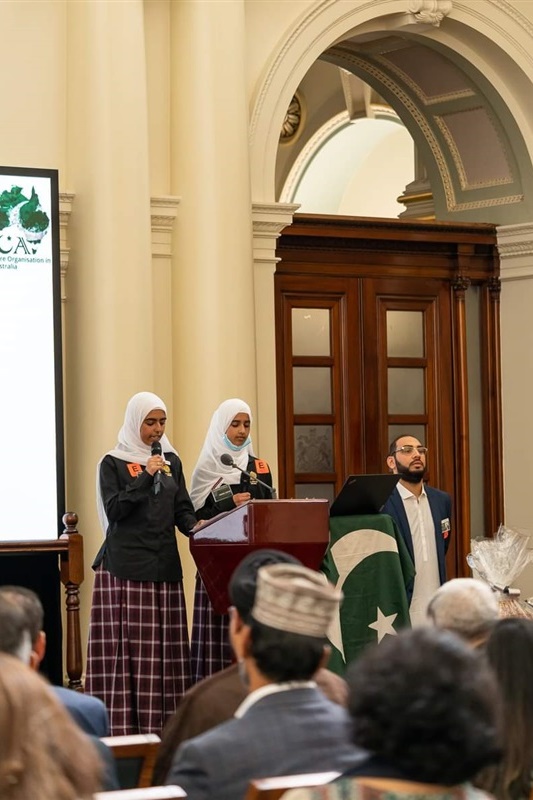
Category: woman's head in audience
<point>427,705</point>
<point>43,753</point>
<point>510,653</point>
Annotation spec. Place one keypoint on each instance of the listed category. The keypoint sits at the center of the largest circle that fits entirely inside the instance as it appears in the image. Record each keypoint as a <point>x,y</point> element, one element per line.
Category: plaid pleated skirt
<point>210,645</point>
<point>138,659</point>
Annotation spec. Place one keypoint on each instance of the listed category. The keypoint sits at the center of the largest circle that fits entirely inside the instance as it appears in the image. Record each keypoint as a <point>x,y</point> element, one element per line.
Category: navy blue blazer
<point>440,504</point>
<point>89,712</point>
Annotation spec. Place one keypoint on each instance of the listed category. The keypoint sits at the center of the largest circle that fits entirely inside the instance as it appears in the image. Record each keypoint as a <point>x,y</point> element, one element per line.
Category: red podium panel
<point>298,527</point>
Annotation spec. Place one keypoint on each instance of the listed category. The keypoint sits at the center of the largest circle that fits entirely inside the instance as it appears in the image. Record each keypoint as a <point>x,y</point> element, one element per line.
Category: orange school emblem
<point>134,469</point>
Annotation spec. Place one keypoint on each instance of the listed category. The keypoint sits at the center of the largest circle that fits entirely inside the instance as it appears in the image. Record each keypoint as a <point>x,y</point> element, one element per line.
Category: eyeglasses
<point>409,449</point>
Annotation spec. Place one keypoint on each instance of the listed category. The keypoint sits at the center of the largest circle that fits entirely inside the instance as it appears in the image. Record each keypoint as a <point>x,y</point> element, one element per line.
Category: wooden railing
<point>69,548</point>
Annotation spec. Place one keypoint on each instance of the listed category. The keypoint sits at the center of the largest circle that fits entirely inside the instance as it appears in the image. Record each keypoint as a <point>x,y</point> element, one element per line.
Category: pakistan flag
<point>368,559</point>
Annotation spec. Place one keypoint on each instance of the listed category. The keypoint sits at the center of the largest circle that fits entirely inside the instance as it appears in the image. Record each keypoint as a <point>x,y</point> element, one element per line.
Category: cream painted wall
<point>267,22</point>
<point>33,107</point>
<point>157,42</point>
<point>517,374</point>
<point>359,171</point>
<point>517,381</point>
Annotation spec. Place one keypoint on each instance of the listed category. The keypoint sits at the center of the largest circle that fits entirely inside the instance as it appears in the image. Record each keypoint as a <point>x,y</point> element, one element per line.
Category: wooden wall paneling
<point>353,375</point>
<point>375,386</point>
<point>462,534</point>
<point>283,377</point>
<point>492,406</point>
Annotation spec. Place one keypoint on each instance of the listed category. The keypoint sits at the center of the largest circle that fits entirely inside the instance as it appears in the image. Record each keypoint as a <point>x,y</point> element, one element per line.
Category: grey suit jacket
<point>286,733</point>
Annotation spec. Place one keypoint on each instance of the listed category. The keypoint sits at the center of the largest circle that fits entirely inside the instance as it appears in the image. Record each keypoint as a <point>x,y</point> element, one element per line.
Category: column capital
<point>269,219</point>
<point>163,213</point>
<point>66,200</point>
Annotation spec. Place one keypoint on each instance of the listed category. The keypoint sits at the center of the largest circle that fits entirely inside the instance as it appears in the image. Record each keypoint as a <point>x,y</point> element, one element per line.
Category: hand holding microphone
<point>156,453</point>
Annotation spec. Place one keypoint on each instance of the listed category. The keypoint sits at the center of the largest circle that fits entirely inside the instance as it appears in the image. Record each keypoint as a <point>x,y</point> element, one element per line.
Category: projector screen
<point>31,400</point>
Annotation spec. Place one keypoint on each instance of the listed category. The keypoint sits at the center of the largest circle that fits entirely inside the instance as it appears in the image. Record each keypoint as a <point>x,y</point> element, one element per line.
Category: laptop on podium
<point>363,494</point>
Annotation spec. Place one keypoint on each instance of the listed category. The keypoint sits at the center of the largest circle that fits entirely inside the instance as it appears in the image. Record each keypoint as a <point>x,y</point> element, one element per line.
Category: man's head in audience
<point>426,705</point>
<point>282,636</point>
<point>467,607</point>
<point>21,622</point>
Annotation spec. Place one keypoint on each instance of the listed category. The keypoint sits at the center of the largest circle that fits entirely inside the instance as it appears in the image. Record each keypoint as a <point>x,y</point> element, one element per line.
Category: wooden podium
<point>298,527</point>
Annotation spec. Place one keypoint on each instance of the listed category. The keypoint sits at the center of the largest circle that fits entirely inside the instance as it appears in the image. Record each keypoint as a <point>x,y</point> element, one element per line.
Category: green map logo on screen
<point>25,219</point>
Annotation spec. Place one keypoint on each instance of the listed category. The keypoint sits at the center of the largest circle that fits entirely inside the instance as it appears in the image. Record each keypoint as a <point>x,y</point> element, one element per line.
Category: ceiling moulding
<point>362,101</point>
<point>312,146</point>
<point>294,121</point>
<point>456,127</point>
<point>344,56</point>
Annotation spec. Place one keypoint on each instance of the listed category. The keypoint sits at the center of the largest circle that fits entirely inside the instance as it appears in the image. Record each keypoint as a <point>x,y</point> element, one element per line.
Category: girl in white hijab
<point>138,659</point>
<point>216,488</point>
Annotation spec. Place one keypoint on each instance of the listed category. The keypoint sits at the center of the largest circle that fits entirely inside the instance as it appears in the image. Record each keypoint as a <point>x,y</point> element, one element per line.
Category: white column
<point>109,342</point>
<point>269,219</point>
<point>164,211</point>
<point>212,289</point>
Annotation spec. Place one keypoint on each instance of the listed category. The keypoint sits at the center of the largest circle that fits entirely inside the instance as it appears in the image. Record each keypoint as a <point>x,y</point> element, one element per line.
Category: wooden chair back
<point>134,758</point>
<point>274,788</point>
<point>150,793</point>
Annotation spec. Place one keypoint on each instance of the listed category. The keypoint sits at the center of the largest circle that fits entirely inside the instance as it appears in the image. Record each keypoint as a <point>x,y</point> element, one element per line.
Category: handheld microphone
<point>228,461</point>
<point>157,451</point>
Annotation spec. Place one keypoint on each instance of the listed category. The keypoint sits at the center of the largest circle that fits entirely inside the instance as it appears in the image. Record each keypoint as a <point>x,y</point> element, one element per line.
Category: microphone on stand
<point>228,461</point>
<point>157,451</point>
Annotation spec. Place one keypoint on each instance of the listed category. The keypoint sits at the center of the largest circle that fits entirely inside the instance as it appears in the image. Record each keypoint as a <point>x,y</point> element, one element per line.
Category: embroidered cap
<point>295,599</point>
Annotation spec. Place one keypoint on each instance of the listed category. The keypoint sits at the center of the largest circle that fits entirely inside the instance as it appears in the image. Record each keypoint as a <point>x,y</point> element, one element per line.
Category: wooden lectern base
<point>298,527</point>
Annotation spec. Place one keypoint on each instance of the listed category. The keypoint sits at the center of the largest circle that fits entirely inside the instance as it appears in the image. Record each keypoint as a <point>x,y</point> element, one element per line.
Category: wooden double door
<point>386,328</point>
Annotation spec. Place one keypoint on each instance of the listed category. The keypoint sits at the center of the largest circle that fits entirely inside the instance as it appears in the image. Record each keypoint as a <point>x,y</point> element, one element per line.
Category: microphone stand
<point>251,477</point>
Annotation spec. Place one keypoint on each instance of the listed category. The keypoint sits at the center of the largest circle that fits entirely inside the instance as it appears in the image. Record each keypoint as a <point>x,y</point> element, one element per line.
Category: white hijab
<point>209,468</point>
<point>130,447</point>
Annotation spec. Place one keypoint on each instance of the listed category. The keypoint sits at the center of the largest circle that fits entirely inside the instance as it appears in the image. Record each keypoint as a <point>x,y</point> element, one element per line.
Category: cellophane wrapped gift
<point>500,561</point>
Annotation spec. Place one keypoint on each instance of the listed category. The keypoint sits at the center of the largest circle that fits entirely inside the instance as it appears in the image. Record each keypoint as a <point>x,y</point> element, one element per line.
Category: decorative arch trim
<point>325,23</point>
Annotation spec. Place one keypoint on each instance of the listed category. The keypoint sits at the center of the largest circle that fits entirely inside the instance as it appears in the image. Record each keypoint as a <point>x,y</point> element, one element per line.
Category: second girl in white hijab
<point>216,488</point>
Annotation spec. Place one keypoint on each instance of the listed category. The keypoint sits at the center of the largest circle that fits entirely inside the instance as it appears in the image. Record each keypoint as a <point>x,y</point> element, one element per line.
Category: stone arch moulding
<point>328,22</point>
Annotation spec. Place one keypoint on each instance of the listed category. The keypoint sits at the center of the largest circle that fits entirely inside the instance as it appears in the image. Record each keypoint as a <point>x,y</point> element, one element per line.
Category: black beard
<point>408,476</point>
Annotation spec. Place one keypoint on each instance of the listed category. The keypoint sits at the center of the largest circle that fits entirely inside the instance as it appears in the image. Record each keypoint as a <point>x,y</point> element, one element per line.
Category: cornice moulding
<point>66,199</point>
<point>515,246</point>
<point>163,214</point>
<point>269,219</point>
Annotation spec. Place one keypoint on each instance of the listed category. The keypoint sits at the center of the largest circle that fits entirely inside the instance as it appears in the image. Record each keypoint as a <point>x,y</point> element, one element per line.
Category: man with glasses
<point>422,515</point>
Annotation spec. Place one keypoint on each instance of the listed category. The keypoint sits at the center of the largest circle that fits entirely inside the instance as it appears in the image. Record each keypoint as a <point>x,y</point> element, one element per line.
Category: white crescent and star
<point>347,553</point>
<point>383,625</point>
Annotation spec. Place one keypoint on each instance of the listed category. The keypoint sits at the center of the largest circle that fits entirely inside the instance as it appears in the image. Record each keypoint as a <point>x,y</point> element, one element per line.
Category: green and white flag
<point>368,559</point>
